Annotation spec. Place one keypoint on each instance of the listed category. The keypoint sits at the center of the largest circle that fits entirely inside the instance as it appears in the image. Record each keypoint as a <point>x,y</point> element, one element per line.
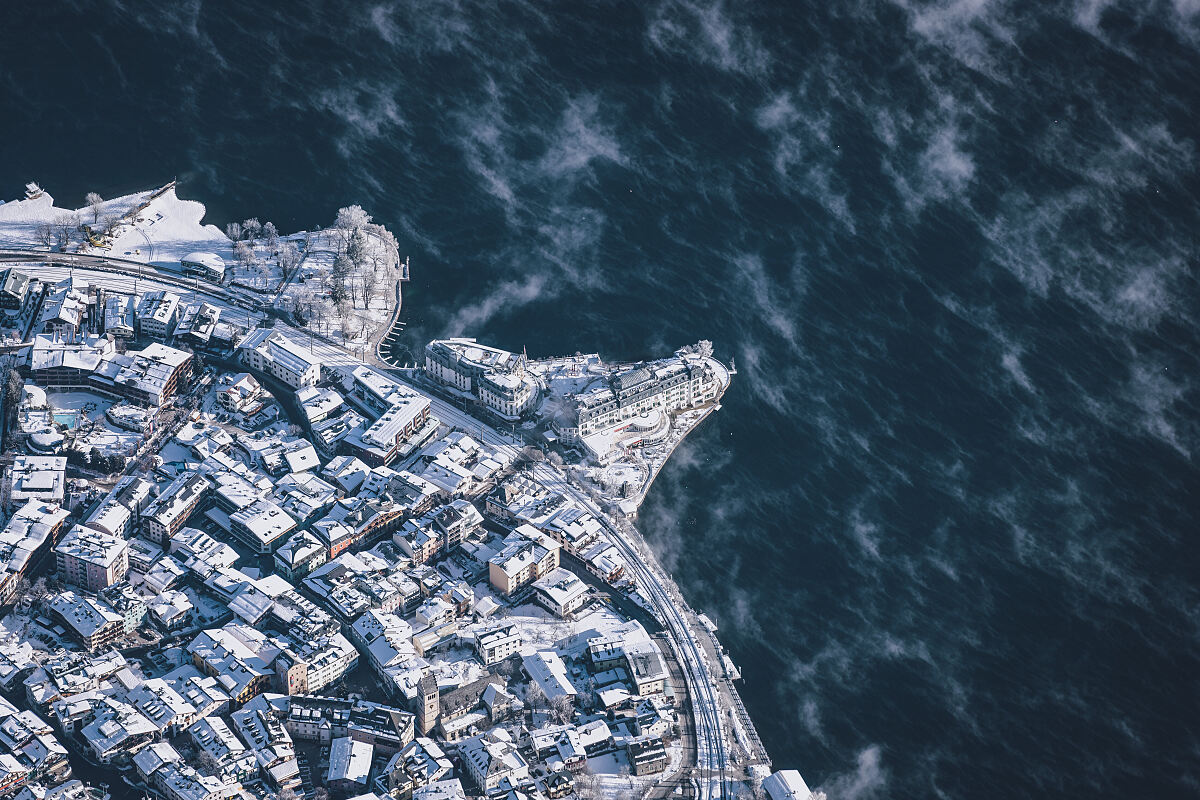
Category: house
<point>349,765</point>
<point>528,554</point>
<point>157,313</point>
<point>14,286</point>
<point>497,644</point>
<point>300,555</point>
<point>491,760</point>
<point>560,592</point>
<point>647,755</point>
<point>243,395</point>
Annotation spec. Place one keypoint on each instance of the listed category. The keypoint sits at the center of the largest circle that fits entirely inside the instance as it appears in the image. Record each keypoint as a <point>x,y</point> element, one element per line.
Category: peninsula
<point>249,553</point>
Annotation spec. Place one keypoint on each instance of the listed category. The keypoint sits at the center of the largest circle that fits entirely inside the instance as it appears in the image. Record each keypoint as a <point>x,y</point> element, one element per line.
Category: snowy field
<point>369,299</point>
<point>21,221</point>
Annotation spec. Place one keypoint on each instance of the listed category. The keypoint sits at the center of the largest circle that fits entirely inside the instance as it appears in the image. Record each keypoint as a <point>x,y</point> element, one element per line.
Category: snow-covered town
<point>247,556</point>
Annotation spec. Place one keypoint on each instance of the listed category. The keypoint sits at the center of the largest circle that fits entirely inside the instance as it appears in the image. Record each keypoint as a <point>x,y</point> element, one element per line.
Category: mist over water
<point>946,517</point>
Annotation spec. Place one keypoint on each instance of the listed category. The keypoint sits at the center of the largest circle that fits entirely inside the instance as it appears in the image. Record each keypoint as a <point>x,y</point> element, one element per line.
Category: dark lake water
<point>943,518</point>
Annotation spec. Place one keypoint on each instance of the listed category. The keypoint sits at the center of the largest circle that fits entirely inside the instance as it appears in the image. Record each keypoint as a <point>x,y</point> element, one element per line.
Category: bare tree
<point>65,226</point>
<point>561,708</point>
<point>264,272</point>
<point>351,218</point>
<point>270,235</point>
<point>44,233</point>
<point>207,764</point>
<point>95,201</point>
<point>252,228</point>
<point>535,696</point>
<point>289,256</point>
<point>587,786</point>
<point>110,223</point>
<point>244,253</point>
<point>388,243</point>
<point>234,231</point>
<point>320,793</point>
<point>320,310</point>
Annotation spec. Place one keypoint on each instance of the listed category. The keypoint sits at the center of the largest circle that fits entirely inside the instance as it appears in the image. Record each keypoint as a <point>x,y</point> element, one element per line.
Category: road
<point>123,275</point>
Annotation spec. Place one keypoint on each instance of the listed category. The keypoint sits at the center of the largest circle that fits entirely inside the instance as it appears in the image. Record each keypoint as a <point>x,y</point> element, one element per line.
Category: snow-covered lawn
<point>78,401</point>
<point>20,219</point>
<point>370,287</point>
<point>109,440</point>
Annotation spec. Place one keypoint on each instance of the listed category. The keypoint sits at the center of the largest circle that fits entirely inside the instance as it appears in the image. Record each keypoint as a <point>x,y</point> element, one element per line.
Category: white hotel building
<point>672,384</point>
<point>497,377</point>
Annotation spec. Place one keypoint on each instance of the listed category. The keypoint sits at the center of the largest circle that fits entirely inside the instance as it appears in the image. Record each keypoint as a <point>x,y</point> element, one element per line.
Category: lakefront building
<point>497,377</point>
<point>673,384</point>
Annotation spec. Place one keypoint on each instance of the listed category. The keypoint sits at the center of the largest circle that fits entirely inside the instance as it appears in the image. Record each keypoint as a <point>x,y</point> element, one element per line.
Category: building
<point>67,360</point>
<point>685,380</point>
<point>243,395</point>
<point>209,266</point>
<point>427,705</point>
<point>528,554</point>
<point>41,478</point>
<point>65,309</point>
<point>382,442</point>
<point>647,755</point>
<point>261,525</point>
<point>419,764</point>
<point>90,619</point>
<point>92,560</point>
<point>169,512</point>
<point>157,313</point>
<point>120,315</point>
<point>149,377</point>
<point>349,765</point>
<point>497,644</point>
<point>560,591</point>
<point>300,555</point>
<point>269,351</point>
<point>491,759</point>
<point>786,784</point>
<point>14,286</point>
<point>497,377</point>
<point>29,534</point>
<point>197,323</point>
<point>317,404</point>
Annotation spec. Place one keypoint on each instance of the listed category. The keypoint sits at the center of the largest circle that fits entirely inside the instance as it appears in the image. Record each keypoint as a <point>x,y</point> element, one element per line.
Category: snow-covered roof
<point>210,260</point>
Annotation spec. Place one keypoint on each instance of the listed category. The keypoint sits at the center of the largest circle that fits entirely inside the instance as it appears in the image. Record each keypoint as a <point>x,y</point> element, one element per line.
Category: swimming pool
<point>67,418</point>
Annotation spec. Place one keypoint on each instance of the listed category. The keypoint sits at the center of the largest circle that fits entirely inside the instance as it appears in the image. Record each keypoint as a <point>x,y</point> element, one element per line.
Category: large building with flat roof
<point>33,530</point>
<point>91,559</point>
<point>149,377</point>
<point>40,478</point>
<point>157,313</point>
